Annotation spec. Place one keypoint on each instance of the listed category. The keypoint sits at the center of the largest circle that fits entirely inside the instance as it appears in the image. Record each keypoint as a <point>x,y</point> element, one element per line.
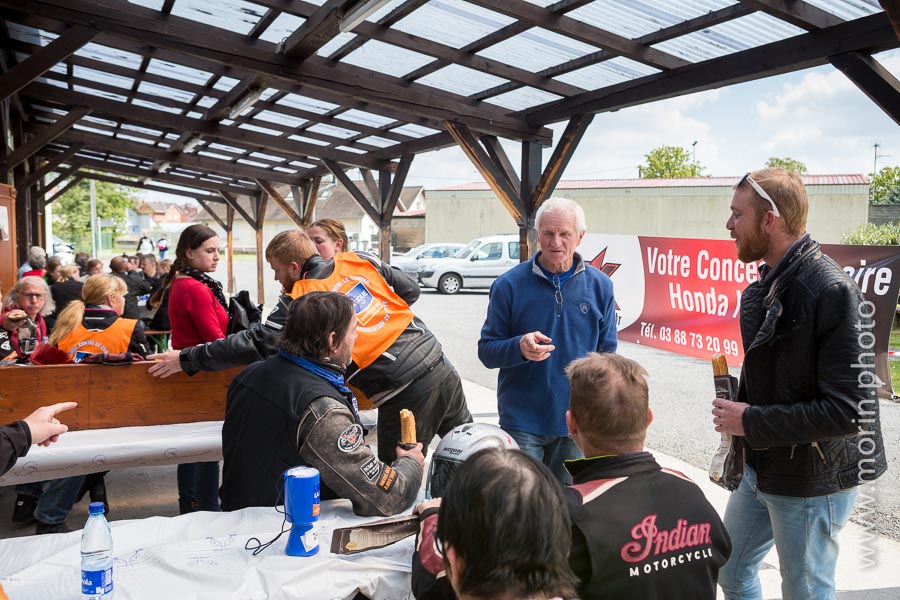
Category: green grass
<point>895,338</point>
<point>895,375</point>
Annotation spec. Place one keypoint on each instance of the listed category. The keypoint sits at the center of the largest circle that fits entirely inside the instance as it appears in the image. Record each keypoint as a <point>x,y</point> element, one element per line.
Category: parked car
<point>477,265</point>
<point>409,262</point>
<point>64,250</point>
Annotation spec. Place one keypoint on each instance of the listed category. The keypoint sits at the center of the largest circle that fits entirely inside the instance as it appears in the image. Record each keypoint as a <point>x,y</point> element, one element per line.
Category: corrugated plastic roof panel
<point>102,77</point>
<point>453,23</point>
<point>154,4</point>
<point>635,18</point>
<point>461,80</point>
<point>848,9</point>
<point>178,72</point>
<point>165,91</point>
<point>309,104</point>
<point>331,130</point>
<point>234,15</point>
<point>386,58</point>
<point>522,98</point>
<point>366,118</point>
<point>109,55</point>
<point>336,43</point>
<point>609,72</point>
<point>537,49</point>
<point>30,35</point>
<point>750,31</point>
<point>282,27</point>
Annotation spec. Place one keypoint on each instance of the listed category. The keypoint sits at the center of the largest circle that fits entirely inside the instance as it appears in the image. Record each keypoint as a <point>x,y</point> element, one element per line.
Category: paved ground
<point>681,390</point>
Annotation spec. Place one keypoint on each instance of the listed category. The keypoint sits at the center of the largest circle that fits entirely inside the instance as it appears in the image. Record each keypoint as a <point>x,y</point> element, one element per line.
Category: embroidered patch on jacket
<point>585,307</point>
<point>371,469</point>
<point>388,477</point>
<point>351,438</point>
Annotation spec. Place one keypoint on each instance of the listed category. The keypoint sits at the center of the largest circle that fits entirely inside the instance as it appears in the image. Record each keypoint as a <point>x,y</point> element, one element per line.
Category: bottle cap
<point>95,508</point>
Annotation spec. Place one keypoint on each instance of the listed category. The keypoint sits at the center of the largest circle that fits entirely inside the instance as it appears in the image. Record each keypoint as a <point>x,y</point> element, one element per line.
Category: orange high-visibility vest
<point>382,315</point>
<point>114,338</point>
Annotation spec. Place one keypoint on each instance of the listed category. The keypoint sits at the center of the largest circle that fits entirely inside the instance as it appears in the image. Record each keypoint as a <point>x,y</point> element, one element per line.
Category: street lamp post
<point>694,159</point>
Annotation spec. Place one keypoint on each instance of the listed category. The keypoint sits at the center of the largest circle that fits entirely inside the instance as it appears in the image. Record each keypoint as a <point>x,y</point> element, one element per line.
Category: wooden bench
<point>114,396</point>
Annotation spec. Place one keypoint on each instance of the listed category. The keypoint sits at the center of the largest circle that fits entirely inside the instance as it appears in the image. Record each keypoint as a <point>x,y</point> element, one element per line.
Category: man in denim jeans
<point>807,405</point>
<point>543,314</point>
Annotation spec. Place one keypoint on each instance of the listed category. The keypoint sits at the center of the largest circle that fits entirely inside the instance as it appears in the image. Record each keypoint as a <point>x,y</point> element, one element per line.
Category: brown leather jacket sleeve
<point>350,468</point>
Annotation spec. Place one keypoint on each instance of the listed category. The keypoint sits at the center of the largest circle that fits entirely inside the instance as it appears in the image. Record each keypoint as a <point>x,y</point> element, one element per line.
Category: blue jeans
<point>803,530</point>
<point>58,499</point>
<point>551,450</point>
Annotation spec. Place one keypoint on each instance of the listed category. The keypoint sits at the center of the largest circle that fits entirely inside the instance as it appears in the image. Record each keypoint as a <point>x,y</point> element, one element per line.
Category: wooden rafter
<point>492,173</point>
<point>71,183</point>
<point>194,39</point>
<point>40,62</point>
<point>232,201</point>
<point>148,186</point>
<point>283,204</point>
<point>873,79</point>
<point>559,160</point>
<point>338,171</point>
<point>892,8</point>
<point>46,135</point>
<point>866,35</point>
<point>51,165</point>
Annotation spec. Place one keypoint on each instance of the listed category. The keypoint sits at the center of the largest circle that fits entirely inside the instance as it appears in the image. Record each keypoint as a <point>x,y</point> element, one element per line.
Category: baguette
<point>407,427</point>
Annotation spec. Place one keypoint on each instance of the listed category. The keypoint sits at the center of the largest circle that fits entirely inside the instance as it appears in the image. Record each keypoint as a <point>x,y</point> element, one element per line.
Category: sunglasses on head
<point>760,191</point>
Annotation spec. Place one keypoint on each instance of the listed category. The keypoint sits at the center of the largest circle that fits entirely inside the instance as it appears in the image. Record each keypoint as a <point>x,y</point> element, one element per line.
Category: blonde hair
<point>97,289</point>
<point>66,272</point>
<point>787,191</point>
<point>291,246</point>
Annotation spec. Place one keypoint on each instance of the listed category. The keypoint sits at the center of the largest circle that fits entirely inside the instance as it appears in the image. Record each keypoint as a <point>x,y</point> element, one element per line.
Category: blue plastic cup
<point>301,507</point>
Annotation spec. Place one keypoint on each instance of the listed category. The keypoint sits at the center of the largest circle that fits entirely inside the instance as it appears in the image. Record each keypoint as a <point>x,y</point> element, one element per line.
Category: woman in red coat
<point>198,314</point>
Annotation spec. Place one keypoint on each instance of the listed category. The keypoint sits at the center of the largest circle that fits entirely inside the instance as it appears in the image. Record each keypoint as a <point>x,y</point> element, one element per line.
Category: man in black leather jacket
<point>807,401</point>
<point>412,373</point>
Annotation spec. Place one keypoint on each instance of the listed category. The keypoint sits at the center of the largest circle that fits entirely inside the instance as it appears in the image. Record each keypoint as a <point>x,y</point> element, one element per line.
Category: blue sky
<point>817,116</point>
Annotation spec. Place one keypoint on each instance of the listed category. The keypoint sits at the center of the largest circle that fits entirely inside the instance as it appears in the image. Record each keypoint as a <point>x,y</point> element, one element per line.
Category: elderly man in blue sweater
<point>542,315</point>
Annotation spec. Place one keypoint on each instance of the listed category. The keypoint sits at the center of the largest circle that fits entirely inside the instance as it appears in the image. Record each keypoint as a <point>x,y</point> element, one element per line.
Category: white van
<point>477,265</point>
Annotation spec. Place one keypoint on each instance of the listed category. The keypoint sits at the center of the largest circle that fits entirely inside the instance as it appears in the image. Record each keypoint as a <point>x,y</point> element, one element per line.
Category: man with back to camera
<point>638,530</point>
<point>807,405</point>
<point>543,314</point>
<point>294,409</point>
<point>401,363</point>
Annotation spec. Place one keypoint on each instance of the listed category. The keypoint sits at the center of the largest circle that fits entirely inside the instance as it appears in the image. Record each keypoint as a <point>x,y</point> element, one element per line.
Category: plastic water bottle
<point>96,556</point>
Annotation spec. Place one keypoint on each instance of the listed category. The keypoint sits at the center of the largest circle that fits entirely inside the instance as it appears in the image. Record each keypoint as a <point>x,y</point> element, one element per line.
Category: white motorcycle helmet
<point>456,447</point>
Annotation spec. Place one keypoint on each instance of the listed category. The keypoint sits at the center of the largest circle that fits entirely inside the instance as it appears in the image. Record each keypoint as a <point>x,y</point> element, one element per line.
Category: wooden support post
<point>229,231</point>
<point>872,79</point>
<point>531,171</point>
<point>51,165</point>
<point>260,251</point>
<point>269,189</point>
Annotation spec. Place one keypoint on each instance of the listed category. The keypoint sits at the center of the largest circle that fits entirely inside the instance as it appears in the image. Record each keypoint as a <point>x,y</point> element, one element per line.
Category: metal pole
<point>95,246</point>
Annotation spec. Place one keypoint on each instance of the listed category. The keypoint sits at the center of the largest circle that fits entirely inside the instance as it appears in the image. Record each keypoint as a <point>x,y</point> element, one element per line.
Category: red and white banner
<point>683,295</point>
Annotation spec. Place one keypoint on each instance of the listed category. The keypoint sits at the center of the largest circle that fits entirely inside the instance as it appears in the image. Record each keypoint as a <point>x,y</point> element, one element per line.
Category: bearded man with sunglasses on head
<point>807,409</point>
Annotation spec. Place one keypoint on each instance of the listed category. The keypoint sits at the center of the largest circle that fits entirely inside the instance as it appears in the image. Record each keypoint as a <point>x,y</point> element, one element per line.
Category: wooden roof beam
<point>45,136</point>
<point>364,203</point>
<point>867,35</point>
<point>583,32</point>
<point>148,186</point>
<point>873,79</point>
<point>50,166</point>
<point>892,8</point>
<point>492,173</point>
<point>190,161</point>
<point>43,60</point>
<point>212,44</point>
<point>283,204</point>
<point>796,12</point>
<point>318,29</point>
<point>148,117</point>
<point>233,203</point>
<point>72,183</point>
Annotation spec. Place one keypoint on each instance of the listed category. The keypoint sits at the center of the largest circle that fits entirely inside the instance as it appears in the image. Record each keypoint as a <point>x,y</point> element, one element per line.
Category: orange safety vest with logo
<point>382,315</point>
<point>115,338</point>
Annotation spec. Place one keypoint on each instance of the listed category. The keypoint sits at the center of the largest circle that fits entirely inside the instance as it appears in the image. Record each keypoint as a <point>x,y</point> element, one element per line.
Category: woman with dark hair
<point>197,314</point>
<point>506,540</point>
<point>329,236</point>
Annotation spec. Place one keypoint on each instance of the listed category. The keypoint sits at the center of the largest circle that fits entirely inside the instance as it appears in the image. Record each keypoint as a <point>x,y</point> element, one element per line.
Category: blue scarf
<point>331,377</point>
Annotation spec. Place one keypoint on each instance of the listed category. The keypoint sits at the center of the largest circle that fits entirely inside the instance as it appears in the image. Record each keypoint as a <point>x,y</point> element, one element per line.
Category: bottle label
<point>97,582</point>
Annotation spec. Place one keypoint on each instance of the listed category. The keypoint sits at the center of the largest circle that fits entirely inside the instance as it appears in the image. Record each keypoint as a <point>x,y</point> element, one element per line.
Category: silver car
<point>478,265</point>
<point>409,262</point>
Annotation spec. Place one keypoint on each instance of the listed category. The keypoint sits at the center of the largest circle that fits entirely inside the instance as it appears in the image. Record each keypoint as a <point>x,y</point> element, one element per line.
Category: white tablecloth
<point>202,556</point>
<point>92,451</point>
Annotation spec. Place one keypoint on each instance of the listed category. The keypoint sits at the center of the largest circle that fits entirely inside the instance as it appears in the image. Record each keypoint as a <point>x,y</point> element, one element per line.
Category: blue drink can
<point>301,507</point>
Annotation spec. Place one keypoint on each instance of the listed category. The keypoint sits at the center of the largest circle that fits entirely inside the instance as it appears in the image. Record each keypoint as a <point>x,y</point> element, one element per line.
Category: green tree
<point>670,162</point>
<point>788,163</point>
<point>882,184</point>
<point>873,235</point>
<point>72,210</point>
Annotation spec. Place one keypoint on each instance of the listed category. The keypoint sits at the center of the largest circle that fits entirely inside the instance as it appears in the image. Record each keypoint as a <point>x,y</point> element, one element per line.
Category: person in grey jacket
<point>294,409</point>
